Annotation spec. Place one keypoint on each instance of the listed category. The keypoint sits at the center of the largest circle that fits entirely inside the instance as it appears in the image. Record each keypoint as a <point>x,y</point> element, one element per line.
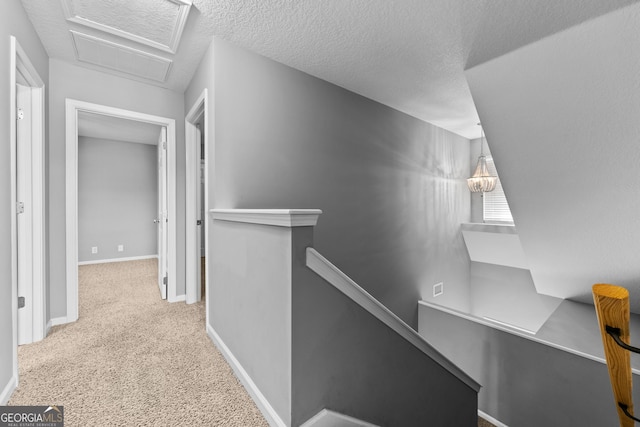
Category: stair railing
<point>612,307</point>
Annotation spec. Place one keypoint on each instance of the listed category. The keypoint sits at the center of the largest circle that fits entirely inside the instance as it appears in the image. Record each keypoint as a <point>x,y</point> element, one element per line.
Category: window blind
<point>495,206</point>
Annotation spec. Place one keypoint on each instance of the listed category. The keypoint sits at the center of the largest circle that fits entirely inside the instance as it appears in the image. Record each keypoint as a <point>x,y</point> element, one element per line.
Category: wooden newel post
<point>612,307</point>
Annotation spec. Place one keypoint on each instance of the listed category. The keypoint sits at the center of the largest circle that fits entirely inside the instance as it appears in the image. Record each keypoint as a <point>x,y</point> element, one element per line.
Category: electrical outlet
<point>438,289</point>
<point>120,248</point>
<point>94,249</point>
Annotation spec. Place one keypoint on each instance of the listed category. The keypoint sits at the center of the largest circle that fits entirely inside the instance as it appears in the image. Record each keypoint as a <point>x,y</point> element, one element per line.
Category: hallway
<point>133,359</point>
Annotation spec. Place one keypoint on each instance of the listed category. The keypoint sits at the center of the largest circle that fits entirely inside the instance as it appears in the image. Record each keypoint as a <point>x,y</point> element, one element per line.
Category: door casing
<point>22,71</point>
<point>161,218</point>
<point>199,109</point>
<point>73,107</point>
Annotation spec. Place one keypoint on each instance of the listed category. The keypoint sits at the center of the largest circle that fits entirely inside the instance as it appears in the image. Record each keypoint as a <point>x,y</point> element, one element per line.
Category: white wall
<point>13,21</point>
<point>70,81</point>
<point>562,118</point>
<point>507,294</point>
<point>117,199</point>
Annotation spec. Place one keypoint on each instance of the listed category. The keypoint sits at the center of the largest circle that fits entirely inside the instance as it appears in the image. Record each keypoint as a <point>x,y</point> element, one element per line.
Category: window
<point>495,208</point>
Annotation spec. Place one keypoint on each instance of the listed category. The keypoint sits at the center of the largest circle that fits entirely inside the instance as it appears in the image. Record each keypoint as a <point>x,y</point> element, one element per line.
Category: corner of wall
<point>8,390</point>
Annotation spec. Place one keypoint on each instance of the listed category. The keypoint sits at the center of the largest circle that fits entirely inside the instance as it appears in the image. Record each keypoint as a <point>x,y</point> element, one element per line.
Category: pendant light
<point>482,181</point>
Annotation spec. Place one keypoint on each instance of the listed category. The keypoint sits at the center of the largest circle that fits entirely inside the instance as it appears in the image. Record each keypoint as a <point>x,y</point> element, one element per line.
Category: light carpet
<point>132,359</point>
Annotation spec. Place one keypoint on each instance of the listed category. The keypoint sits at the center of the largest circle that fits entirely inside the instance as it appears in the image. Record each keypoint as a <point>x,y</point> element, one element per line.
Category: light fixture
<point>482,181</point>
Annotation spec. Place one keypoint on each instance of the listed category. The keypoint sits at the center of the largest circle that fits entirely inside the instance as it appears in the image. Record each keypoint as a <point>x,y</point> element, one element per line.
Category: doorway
<point>166,220</point>
<point>197,198</point>
<point>27,200</point>
<point>121,191</point>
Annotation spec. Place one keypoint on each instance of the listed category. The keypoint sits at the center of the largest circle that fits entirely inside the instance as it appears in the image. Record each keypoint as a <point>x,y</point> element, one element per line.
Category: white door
<point>162,219</point>
<point>25,213</point>
<point>199,214</point>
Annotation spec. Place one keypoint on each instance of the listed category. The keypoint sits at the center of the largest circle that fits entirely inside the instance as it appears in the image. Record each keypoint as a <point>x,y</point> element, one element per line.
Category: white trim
<point>19,62</point>
<point>489,228</point>
<point>106,261</point>
<point>491,419</point>
<point>14,223</point>
<point>199,108</point>
<point>277,217</point>
<point>59,321</point>
<point>38,259</point>
<point>260,400</point>
<point>8,390</point>
<point>508,325</point>
<point>48,328</point>
<point>171,47</point>
<point>516,332</point>
<point>332,418</point>
<point>344,284</point>
<point>71,193</point>
<point>180,298</point>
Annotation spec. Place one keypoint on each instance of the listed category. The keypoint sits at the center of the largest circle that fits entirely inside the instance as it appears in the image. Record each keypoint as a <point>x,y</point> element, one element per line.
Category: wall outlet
<point>438,289</point>
<point>94,249</point>
<point>120,248</point>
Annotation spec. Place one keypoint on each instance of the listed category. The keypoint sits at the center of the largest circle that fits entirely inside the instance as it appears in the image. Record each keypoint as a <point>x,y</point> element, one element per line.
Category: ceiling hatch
<point>97,51</point>
<point>154,23</point>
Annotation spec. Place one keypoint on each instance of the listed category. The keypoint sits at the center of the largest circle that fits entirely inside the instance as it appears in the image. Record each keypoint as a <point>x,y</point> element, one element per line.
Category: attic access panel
<point>154,23</point>
<point>124,59</point>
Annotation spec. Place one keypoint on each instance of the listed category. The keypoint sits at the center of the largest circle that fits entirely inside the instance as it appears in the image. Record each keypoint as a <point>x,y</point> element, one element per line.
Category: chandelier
<point>482,181</point>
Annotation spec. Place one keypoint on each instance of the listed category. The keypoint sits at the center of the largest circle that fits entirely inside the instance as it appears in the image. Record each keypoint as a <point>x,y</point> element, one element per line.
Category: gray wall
<point>13,21</point>
<point>476,198</point>
<point>392,188</point>
<point>347,360</point>
<point>70,81</point>
<point>308,347</point>
<point>250,303</point>
<point>117,198</point>
<point>524,383</point>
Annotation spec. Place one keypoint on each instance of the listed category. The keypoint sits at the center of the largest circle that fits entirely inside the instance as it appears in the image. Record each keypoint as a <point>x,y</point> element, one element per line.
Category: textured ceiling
<point>408,54</point>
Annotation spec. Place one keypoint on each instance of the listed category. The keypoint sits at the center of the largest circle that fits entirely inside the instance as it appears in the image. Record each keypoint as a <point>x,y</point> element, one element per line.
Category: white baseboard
<point>47,328</point>
<point>261,401</point>
<point>8,390</point>
<point>491,419</point>
<point>327,417</point>
<point>58,321</point>
<point>104,261</point>
<point>179,298</point>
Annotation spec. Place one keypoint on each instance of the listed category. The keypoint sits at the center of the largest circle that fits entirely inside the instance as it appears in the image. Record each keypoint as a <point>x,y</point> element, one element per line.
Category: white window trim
<point>495,207</point>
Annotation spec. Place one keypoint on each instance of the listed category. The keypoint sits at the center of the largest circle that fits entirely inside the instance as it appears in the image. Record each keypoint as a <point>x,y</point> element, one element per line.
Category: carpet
<point>484,423</point>
<point>132,359</point>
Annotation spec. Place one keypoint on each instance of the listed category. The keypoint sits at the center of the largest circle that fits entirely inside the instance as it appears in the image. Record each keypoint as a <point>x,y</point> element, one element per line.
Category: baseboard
<point>47,328</point>
<point>491,419</point>
<point>104,261</point>
<point>58,321</point>
<point>179,298</point>
<point>8,390</point>
<point>327,417</point>
<point>261,401</point>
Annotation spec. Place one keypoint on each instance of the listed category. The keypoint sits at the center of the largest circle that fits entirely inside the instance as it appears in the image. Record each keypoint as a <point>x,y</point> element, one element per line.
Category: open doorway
<point>197,199</point>
<point>166,220</point>
<point>120,190</point>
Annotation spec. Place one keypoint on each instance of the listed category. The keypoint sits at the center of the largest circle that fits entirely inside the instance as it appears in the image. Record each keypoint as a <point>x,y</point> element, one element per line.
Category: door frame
<point>73,107</point>
<point>199,109</point>
<point>21,65</point>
